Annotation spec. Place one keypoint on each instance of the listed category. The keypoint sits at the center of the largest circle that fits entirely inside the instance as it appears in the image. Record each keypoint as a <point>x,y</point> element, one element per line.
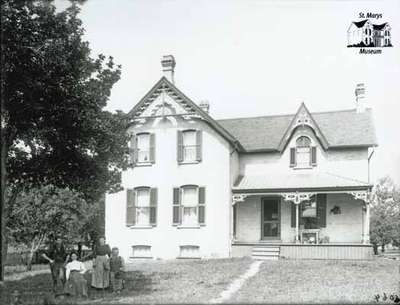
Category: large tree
<point>385,213</point>
<point>54,129</point>
<point>44,212</point>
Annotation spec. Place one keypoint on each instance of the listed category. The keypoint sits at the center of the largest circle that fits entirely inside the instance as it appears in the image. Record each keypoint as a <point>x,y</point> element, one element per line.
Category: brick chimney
<point>205,106</point>
<point>168,65</point>
<point>360,98</point>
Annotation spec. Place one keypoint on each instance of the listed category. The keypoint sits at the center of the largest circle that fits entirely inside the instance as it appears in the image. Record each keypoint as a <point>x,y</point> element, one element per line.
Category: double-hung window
<point>303,155</point>
<point>303,147</point>
<point>189,206</point>
<point>189,148</point>
<point>142,148</point>
<point>189,145</point>
<point>141,207</point>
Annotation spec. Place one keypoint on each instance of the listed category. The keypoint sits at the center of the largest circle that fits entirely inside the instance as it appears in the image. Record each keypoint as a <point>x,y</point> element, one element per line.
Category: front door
<point>271,219</point>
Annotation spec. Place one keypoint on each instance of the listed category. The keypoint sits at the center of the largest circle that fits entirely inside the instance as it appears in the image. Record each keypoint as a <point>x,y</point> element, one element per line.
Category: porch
<point>302,251</point>
<point>329,222</point>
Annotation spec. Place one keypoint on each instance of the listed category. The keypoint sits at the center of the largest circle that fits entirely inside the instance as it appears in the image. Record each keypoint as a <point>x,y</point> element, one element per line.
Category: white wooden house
<point>293,186</point>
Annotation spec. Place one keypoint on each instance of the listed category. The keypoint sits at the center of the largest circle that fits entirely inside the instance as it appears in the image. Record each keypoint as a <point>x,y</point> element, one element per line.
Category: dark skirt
<point>76,285</point>
<point>101,272</point>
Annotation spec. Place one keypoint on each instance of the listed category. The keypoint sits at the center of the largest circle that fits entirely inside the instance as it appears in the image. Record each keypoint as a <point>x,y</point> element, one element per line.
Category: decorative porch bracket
<point>361,195</point>
<point>238,198</point>
<point>297,197</point>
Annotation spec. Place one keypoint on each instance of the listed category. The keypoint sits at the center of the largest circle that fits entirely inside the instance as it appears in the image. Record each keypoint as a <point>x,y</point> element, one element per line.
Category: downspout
<point>369,159</point>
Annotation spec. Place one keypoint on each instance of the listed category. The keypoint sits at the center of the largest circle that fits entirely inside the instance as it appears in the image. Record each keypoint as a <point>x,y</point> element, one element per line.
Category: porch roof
<point>311,181</point>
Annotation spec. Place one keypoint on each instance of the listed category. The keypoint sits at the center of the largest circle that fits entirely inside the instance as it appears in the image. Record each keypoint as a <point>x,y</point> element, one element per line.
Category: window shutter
<point>133,150</point>
<point>152,148</point>
<point>179,146</point>
<point>321,210</point>
<point>292,157</point>
<point>130,207</point>
<point>176,206</point>
<point>199,145</point>
<point>153,206</point>
<point>301,219</point>
<point>293,218</point>
<point>202,206</point>
<point>313,158</point>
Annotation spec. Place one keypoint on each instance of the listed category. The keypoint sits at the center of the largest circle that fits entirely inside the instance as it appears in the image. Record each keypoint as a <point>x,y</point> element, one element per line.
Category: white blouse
<point>75,265</point>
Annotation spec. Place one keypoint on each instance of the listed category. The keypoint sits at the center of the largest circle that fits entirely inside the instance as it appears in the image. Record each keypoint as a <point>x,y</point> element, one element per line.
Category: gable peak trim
<point>303,117</point>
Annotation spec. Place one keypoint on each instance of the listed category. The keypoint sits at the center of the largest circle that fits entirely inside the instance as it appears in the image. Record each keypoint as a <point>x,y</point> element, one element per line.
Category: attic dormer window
<point>304,155</point>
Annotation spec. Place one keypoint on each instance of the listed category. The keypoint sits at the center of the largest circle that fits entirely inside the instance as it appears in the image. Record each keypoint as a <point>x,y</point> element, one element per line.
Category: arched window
<point>303,146</point>
<point>303,155</point>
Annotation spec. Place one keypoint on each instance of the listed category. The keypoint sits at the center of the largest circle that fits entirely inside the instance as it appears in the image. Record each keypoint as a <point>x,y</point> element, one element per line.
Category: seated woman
<point>76,284</point>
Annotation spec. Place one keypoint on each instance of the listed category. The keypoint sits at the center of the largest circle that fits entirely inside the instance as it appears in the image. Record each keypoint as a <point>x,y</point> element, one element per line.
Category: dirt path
<point>238,283</point>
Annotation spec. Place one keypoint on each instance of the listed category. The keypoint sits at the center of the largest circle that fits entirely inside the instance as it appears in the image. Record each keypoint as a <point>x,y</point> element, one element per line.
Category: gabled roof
<point>335,129</point>
<point>277,182</point>
<point>165,84</point>
<point>345,128</point>
<point>301,118</point>
<point>379,26</point>
<point>360,24</point>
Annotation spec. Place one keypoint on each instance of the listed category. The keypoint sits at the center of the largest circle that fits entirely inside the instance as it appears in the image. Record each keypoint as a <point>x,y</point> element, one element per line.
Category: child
<point>116,270</point>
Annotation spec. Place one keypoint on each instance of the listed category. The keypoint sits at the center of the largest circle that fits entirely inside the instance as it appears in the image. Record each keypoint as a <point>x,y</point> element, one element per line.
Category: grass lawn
<point>177,281</point>
<point>321,281</point>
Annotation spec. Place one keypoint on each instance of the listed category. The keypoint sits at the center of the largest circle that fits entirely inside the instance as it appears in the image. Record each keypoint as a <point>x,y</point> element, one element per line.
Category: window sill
<point>141,257</point>
<point>142,227</point>
<point>143,164</point>
<point>188,162</point>
<point>188,257</point>
<point>303,167</point>
<point>188,227</point>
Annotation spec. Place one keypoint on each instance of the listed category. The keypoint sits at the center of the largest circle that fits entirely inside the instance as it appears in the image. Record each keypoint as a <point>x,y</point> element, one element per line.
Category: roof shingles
<point>340,128</point>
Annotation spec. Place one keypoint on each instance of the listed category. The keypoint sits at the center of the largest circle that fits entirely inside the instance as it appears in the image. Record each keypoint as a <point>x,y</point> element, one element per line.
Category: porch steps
<point>265,252</point>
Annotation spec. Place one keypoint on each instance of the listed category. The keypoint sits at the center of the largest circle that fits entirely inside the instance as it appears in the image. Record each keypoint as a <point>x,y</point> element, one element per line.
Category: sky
<point>252,57</point>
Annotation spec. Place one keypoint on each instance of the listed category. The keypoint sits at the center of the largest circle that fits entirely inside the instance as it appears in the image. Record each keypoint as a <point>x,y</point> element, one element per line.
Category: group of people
<point>108,268</point>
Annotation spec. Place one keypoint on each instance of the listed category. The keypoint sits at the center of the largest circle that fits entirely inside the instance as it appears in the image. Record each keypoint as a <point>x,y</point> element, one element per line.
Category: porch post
<point>297,223</point>
<point>366,223</point>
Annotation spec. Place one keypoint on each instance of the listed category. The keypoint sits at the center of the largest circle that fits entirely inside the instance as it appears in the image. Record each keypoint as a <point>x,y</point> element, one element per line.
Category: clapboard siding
<point>326,251</point>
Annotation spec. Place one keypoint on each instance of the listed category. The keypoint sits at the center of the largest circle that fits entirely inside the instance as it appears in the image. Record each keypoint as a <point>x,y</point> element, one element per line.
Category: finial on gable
<point>168,65</point>
<point>360,98</point>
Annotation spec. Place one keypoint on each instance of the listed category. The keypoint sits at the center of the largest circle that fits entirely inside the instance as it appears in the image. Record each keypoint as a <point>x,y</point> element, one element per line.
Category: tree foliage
<point>385,213</point>
<point>54,97</point>
<point>44,212</point>
<point>54,129</point>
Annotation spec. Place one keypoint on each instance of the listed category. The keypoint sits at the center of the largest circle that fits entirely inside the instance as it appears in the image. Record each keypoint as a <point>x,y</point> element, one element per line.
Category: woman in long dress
<point>101,265</point>
<point>76,284</point>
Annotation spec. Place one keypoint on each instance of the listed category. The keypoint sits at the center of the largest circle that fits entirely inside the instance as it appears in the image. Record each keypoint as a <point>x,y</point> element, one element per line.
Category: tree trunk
<point>383,248</point>
<point>29,260</point>
<point>3,256</point>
